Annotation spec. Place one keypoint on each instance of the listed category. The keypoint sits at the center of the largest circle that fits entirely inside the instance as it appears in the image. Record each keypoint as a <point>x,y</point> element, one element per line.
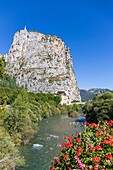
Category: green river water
<point>50,135</point>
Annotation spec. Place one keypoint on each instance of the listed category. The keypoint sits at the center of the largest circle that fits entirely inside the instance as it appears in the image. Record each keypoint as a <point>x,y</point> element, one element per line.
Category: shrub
<point>91,149</point>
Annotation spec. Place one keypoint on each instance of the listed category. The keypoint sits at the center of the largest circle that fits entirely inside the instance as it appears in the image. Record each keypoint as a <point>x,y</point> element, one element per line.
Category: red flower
<point>65,137</point>
<point>78,153</point>
<point>63,144</point>
<point>105,131</point>
<point>94,125</point>
<point>111,123</point>
<point>95,167</point>
<point>80,149</point>
<point>99,132</point>
<point>86,123</point>
<point>68,145</point>
<point>96,159</point>
<point>55,160</point>
<point>65,157</point>
<point>90,147</point>
<point>69,168</point>
<point>105,121</point>
<point>52,168</point>
<point>107,141</point>
<point>98,148</point>
<point>88,153</point>
<point>109,156</point>
<point>78,140</point>
<point>69,140</point>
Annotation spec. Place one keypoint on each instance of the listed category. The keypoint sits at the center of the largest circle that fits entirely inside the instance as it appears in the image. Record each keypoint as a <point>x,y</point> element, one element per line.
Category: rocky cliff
<point>42,63</point>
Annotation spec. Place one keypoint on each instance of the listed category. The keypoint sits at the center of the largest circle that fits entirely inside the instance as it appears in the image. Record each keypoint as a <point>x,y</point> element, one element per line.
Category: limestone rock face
<point>42,63</point>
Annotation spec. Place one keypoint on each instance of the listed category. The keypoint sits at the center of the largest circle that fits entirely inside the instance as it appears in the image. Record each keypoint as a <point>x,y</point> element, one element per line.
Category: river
<point>50,136</point>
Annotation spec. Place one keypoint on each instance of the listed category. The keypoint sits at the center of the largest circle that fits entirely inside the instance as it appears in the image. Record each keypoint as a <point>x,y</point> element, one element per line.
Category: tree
<point>100,108</point>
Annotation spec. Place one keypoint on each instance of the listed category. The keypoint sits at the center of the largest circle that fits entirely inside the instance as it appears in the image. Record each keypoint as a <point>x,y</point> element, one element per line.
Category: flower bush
<point>90,149</point>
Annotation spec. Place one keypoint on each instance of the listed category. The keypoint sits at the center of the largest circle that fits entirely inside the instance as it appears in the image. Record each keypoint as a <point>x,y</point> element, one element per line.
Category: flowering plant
<point>91,149</point>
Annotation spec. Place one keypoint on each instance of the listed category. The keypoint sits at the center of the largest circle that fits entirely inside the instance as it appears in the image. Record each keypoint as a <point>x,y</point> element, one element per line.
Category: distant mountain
<point>88,94</point>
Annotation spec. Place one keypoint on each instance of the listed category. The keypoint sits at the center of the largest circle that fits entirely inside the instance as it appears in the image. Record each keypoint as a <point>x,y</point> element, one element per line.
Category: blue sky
<point>86,26</point>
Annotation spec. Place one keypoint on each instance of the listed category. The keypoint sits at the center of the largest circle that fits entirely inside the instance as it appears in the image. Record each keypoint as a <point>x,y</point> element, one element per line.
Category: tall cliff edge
<point>42,63</point>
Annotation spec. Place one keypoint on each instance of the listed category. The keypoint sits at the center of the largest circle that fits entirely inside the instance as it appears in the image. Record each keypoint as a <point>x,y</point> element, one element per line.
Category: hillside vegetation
<point>100,108</point>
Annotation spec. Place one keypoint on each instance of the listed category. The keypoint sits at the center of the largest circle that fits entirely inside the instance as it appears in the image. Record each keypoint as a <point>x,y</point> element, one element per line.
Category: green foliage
<point>100,108</point>
<point>8,95</point>
<point>20,118</point>
<point>49,98</point>
<point>8,88</point>
<point>2,67</point>
<point>9,155</point>
<point>8,82</point>
<point>74,110</point>
<point>5,80</point>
